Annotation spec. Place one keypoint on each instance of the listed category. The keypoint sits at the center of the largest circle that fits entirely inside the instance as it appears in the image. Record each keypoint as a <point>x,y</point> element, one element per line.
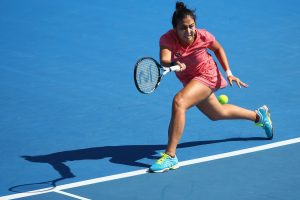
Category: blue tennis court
<point>72,121</point>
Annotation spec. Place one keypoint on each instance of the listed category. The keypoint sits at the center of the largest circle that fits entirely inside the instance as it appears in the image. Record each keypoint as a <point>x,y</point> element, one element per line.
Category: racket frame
<point>161,70</point>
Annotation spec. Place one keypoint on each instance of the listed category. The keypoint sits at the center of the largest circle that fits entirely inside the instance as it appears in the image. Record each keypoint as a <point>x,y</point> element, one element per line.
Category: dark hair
<point>182,12</point>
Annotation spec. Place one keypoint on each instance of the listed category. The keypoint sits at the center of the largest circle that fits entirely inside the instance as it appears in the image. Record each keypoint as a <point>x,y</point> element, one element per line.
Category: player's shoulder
<point>203,32</point>
<point>204,35</point>
<point>168,37</point>
<point>169,34</point>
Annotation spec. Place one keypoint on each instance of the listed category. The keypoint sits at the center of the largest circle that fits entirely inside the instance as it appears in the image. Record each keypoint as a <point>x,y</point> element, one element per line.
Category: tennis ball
<point>223,99</point>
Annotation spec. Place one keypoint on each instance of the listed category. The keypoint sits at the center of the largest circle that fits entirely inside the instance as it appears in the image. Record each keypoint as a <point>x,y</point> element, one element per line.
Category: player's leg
<point>193,93</point>
<point>216,111</point>
<point>190,95</point>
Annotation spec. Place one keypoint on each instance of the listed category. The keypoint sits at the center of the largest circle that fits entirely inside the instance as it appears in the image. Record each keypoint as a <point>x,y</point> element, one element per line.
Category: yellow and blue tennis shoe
<point>165,163</point>
<point>265,121</point>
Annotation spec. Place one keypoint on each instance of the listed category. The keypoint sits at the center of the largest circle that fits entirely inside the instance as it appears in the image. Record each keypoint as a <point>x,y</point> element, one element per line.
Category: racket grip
<point>175,68</point>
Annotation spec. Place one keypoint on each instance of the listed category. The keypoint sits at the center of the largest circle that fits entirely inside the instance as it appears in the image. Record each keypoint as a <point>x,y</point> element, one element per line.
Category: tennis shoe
<point>165,163</point>
<point>265,120</point>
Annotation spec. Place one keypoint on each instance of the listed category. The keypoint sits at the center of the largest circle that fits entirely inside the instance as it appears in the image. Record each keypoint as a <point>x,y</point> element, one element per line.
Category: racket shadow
<point>36,187</point>
<point>125,155</point>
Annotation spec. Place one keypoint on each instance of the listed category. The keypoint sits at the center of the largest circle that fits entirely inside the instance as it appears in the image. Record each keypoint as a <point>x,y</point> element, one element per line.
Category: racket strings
<point>147,75</point>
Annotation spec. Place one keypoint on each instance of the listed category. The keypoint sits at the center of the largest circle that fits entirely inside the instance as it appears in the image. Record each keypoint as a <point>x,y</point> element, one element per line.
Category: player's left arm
<point>222,58</point>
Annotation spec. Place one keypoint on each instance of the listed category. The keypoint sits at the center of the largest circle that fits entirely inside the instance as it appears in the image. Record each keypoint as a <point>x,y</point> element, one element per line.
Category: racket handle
<point>175,68</point>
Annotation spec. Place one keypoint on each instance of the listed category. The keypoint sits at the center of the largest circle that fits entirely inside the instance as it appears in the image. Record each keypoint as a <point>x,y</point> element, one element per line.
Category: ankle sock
<point>257,118</point>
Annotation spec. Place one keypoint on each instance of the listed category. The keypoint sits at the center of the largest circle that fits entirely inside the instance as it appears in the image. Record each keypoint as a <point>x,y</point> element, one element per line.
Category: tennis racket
<point>148,74</point>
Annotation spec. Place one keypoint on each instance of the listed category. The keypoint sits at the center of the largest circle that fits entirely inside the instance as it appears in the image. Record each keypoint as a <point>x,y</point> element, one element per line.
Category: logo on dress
<point>177,54</point>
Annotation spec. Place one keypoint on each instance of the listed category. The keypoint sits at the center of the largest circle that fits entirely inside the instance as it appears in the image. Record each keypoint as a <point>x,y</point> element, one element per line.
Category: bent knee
<point>179,101</point>
<point>213,117</point>
<point>218,116</point>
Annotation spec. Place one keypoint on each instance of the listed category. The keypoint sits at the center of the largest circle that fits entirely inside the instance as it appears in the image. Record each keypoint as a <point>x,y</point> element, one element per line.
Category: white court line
<point>144,171</point>
<point>71,195</point>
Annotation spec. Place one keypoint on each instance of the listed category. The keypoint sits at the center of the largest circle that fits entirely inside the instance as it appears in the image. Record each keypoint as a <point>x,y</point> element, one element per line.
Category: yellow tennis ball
<point>223,99</point>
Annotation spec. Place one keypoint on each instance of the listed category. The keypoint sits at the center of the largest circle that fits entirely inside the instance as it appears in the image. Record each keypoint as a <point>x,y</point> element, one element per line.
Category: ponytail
<point>182,12</point>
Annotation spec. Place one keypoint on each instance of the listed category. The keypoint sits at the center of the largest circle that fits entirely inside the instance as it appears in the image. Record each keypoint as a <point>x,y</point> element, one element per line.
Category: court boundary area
<point>59,189</point>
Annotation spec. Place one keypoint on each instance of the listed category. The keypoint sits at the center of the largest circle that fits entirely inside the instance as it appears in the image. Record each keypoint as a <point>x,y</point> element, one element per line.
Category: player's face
<point>185,30</point>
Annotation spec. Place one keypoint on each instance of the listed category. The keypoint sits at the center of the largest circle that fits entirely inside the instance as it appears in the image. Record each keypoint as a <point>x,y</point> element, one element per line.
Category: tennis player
<point>188,46</point>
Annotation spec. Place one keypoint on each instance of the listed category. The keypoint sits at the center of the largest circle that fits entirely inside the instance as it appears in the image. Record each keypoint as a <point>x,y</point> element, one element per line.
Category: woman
<point>186,46</point>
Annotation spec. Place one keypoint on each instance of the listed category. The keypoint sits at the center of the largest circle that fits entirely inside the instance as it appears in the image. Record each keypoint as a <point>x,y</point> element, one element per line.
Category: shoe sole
<point>167,169</point>
<point>269,117</point>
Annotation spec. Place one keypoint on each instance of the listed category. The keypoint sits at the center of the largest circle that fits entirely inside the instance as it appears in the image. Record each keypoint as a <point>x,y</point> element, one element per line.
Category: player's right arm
<point>166,58</point>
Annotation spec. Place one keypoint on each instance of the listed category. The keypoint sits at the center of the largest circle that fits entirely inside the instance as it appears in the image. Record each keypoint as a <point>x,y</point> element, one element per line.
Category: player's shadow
<point>125,155</point>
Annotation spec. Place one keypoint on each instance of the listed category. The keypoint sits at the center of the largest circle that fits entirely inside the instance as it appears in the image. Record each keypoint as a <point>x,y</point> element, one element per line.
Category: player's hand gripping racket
<point>148,74</point>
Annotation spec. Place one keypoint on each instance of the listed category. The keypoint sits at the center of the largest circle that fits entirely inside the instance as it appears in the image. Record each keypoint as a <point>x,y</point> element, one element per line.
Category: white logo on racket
<point>146,77</point>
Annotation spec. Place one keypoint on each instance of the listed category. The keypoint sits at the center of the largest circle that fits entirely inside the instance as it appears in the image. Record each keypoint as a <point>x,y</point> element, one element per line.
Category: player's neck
<point>185,44</point>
